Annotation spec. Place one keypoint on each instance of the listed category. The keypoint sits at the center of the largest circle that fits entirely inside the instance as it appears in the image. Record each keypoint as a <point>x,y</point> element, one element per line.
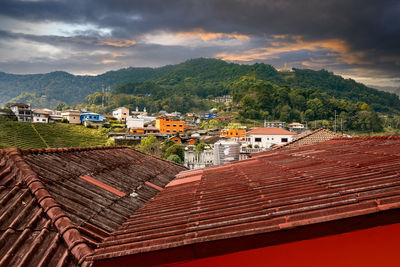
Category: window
<point>174,131</point>
<point>37,119</point>
<point>174,125</point>
<point>168,125</point>
<point>180,131</point>
<point>272,138</point>
<point>257,139</point>
<point>284,140</point>
<point>180,125</point>
<point>167,131</point>
<point>43,119</point>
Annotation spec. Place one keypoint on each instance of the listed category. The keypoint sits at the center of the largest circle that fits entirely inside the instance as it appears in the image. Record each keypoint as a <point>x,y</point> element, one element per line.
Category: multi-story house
<point>168,126</point>
<point>22,111</point>
<point>41,115</point>
<point>92,119</point>
<point>121,113</point>
<point>276,124</point>
<point>73,116</point>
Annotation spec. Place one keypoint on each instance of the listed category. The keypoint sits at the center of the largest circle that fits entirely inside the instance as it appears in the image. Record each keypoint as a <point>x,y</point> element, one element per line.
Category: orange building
<point>233,133</point>
<point>145,130</point>
<point>166,125</point>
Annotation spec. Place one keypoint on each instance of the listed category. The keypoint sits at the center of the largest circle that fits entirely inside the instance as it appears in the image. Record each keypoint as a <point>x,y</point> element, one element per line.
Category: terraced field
<point>38,135</point>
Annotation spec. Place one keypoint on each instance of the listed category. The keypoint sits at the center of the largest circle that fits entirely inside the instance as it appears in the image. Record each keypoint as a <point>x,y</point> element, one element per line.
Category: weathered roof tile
<point>271,192</point>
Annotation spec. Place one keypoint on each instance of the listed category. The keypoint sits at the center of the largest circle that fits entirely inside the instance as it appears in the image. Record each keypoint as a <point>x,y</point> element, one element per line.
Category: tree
<point>200,147</point>
<point>150,145</point>
<point>175,158</point>
<point>177,149</point>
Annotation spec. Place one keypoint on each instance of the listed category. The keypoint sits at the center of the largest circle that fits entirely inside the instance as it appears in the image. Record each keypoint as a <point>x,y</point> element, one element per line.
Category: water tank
<point>226,152</point>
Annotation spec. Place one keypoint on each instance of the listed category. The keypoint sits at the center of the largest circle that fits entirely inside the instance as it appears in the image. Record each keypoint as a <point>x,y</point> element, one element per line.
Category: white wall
<point>268,140</point>
<point>121,113</point>
<point>134,123</point>
<point>40,118</point>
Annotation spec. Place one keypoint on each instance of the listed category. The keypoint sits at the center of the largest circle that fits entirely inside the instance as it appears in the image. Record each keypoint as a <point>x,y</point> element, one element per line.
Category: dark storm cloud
<point>369,28</point>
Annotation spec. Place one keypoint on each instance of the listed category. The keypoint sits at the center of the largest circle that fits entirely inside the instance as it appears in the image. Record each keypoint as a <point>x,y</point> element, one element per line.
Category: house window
<point>272,138</point>
<point>284,140</point>
<point>167,131</point>
<point>180,131</point>
<point>257,139</point>
<point>174,125</point>
<point>180,125</point>
<point>174,131</point>
<point>43,119</point>
<point>37,119</point>
<point>168,125</point>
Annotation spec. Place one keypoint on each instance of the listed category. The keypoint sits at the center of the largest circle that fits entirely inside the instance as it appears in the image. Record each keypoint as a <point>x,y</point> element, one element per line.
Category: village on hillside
<point>204,142</point>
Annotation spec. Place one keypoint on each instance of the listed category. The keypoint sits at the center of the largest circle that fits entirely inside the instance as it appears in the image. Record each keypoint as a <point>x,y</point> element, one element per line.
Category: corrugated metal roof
<point>270,193</point>
<point>50,215</point>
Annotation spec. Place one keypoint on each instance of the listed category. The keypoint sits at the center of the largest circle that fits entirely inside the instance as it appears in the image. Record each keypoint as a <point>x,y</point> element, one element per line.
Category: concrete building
<point>92,119</point>
<point>275,124</point>
<point>266,137</point>
<point>41,115</point>
<point>296,127</point>
<point>121,113</point>
<point>22,111</point>
<point>73,116</point>
<point>168,126</point>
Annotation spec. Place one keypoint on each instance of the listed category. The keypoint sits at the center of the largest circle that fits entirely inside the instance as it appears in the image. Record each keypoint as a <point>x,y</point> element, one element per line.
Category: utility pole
<point>102,97</point>
<point>341,125</point>
<point>335,121</point>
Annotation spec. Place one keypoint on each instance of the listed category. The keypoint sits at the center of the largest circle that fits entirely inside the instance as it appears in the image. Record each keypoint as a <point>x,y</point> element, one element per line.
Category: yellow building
<point>166,125</point>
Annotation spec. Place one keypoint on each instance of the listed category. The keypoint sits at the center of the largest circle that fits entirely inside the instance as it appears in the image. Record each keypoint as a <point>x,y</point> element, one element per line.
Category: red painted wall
<point>378,246</point>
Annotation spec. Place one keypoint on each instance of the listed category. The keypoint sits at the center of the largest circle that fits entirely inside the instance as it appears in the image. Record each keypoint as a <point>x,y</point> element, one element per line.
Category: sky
<point>358,39</point>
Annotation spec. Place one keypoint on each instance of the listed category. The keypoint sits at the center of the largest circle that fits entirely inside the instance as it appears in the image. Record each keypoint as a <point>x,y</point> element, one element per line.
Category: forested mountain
<point>66,87</point>
<point>193,80</point>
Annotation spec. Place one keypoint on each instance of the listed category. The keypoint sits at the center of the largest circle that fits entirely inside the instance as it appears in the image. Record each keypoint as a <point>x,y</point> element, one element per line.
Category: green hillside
<point>28,135</point>
<point>194,79</point>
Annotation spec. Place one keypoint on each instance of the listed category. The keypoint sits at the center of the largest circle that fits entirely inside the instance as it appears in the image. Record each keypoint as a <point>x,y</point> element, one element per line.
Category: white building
<point>22,111</point>
<point>296,127</point>
<point>134,123</point>
<point>121,113</point>
<point>73,116</point>
<point>276,124</point>
<point>266,137</point>
<point>41,115</point>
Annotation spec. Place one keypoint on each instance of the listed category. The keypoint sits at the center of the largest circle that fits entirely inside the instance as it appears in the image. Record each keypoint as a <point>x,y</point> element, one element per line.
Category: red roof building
<point>266,137</point>
<point>58,205</point>
<point>334,203</point>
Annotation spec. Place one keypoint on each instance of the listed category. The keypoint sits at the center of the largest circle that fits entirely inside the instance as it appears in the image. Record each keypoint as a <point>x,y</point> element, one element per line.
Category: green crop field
<point>41,135</point>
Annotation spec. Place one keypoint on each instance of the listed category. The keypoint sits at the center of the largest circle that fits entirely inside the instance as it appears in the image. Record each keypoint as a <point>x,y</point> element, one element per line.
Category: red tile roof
<point>264,200</point>
<point>49,215</point>
<point>269,131</point>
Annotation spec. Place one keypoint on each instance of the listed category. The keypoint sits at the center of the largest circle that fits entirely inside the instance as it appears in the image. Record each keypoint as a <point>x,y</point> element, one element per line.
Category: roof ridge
<point>307,135</point>
<point>67,149</point>
<point>65,227</point>
<point>301,137</point>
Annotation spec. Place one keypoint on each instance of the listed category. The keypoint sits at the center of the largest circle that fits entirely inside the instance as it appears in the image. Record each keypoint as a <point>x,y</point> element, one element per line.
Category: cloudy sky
<point>354,38</point>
